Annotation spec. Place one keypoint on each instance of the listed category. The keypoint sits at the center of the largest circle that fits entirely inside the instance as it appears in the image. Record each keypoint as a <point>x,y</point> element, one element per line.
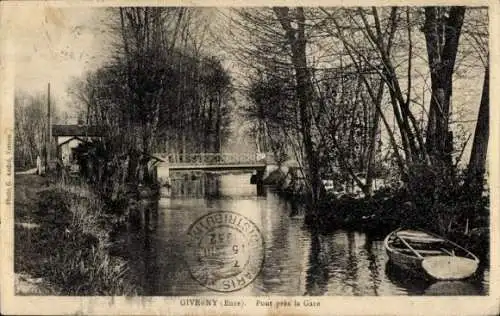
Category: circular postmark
<point>225,251</point>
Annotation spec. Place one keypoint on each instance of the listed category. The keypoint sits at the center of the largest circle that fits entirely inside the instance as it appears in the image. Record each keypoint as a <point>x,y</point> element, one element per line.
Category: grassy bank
<point>62,238</point>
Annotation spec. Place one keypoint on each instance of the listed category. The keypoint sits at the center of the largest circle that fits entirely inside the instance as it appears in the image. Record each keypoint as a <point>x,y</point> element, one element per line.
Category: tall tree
<point>296,39</point>
<point>477,162</point>
<point>442,29</point>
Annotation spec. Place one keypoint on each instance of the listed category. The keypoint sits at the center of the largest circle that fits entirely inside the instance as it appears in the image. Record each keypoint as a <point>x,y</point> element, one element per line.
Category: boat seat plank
<point>413,232</point>
<point>412,236</point>
<point>420,239</point>
<point>423,252</point>
<point>424,241</point>
<point>430,252</point>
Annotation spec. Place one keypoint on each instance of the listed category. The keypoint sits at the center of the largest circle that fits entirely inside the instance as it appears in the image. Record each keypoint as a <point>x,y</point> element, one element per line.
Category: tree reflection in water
<point>351,275</point>
<point>298,260</point>
<point>317,274</point>
<point>149,250</point>
<point>372,265</point>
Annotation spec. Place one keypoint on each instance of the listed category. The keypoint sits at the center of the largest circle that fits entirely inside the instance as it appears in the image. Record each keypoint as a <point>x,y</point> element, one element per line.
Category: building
<point>68,137</point>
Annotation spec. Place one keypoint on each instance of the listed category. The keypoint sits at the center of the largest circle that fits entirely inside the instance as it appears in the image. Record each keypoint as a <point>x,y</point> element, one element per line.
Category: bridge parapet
<point>213,158</point>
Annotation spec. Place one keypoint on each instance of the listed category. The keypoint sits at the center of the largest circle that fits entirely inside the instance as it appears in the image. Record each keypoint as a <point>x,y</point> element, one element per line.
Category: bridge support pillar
<point>260,182</point>
<point>163,177</point>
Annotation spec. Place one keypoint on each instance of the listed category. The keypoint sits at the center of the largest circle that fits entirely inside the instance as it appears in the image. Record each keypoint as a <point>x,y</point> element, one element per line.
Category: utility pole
<point>49,131</point>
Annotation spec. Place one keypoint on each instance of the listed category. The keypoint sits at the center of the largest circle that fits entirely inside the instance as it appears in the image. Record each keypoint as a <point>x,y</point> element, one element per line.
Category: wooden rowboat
<point>435,256</point>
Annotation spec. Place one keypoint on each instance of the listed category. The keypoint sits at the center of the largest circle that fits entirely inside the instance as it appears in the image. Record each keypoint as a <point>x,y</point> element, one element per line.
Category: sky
<point>55,45</point>
<point>58,44</point>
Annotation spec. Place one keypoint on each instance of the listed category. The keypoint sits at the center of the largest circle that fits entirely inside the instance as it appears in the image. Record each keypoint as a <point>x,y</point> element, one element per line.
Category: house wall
<point>65,153</point>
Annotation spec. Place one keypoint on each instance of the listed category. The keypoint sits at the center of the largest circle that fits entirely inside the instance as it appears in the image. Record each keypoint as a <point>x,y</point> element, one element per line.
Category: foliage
<point>115,174</point>
<point>70,247</point>
<point>158,93</point>
<point>443,201</point>
<point>364,67</point>
<point>30,116</point>
<point>434,200</point>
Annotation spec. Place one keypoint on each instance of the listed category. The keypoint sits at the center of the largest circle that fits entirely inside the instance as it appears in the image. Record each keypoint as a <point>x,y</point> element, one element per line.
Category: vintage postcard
<point>262,158</point>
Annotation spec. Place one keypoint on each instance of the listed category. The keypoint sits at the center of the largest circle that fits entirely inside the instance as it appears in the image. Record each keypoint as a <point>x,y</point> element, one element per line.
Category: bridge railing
<point>213,158</point>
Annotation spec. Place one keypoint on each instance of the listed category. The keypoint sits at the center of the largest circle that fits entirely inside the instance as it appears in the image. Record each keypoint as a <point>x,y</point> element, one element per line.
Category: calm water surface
<point>297,262</point>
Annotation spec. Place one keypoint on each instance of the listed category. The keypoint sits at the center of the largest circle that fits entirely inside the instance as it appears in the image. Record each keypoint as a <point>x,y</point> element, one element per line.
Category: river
<point>296,261</point>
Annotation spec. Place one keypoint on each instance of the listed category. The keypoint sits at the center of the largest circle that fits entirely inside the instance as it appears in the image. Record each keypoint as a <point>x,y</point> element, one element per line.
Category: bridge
<point>215,161</point>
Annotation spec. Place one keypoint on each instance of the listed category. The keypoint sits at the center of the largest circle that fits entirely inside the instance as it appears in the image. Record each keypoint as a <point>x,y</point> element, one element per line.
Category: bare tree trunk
<point>218,125</point>
<point>304,89</point>
<point>208,130</point>
<point>477,162</point>
<point>373,143</point>
<point>441,34</point>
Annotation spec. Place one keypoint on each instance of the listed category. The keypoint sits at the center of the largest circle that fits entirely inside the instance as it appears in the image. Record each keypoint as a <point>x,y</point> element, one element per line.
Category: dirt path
<point>29,171</point>
<point>26,285</point>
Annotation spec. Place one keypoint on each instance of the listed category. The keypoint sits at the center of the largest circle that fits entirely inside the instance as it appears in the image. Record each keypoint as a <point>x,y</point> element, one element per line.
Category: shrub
<point>442,201</point>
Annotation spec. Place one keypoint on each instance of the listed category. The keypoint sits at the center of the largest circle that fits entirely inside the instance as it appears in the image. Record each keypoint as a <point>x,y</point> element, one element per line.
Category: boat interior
<point>409,242</point>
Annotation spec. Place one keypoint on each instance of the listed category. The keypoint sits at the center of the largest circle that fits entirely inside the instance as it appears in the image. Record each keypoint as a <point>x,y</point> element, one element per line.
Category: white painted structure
<point>66,146</point>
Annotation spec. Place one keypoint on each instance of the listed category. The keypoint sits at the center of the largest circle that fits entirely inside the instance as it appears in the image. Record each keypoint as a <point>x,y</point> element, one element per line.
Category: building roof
<point>70,139</point>
<point>77,130</point>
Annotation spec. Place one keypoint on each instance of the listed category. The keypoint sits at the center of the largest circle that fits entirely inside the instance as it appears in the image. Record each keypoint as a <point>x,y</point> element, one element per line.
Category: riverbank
<point>456,218</point>
<point>390,208</point>
<point>62,241</point>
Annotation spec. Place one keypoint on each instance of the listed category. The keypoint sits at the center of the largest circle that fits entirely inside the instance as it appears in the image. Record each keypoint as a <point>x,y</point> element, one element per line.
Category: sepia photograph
<point>213,153</point>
